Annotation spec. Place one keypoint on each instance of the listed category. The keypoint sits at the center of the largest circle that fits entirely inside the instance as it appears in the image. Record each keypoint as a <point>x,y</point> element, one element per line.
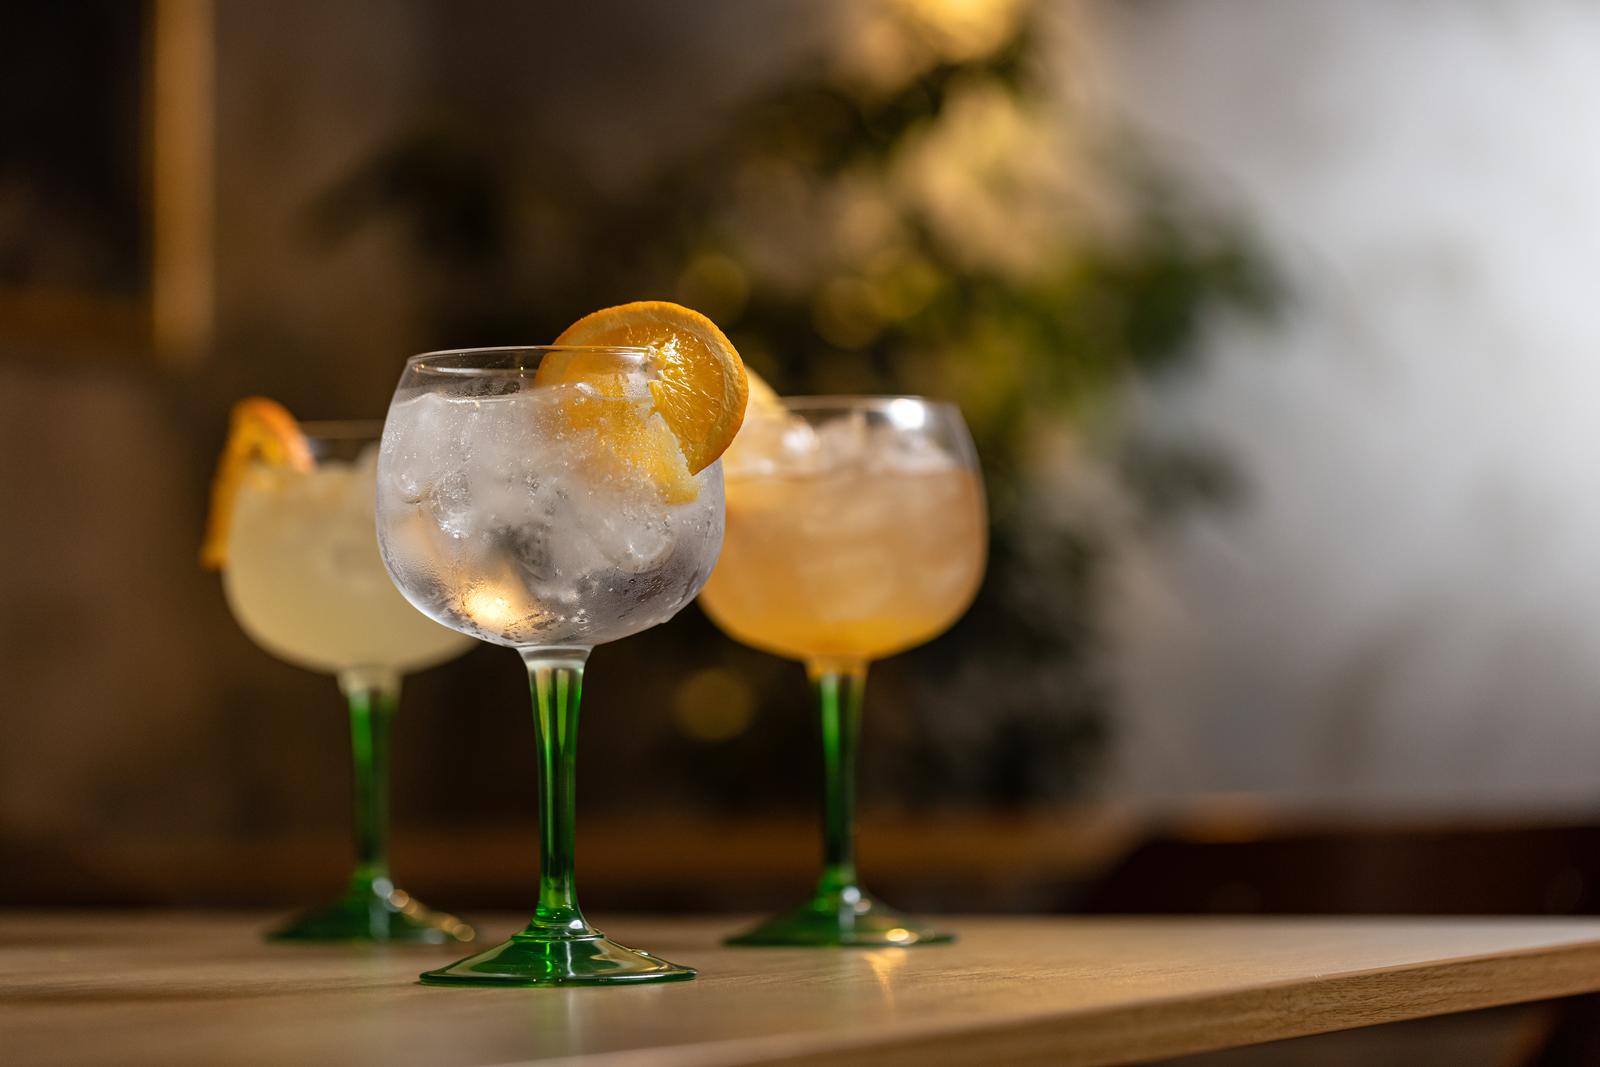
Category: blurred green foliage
<point>948,231</point>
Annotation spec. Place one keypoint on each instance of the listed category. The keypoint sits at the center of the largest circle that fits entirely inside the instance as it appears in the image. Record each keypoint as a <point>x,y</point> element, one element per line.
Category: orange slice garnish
<point>699,386</point>
<point>765,421</point>
<point>259,431</point>
<point>763,398</point>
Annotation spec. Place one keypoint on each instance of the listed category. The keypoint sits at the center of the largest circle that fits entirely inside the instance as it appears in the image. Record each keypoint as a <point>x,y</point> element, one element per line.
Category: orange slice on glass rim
<point>259,431</point>
<point>766,421</point>
<point>699,387</point>
<point>763,398</point>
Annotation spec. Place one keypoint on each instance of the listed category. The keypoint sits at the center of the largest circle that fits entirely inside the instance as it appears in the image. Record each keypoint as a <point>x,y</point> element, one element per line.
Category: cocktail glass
<point>305,582</point>
<point>856,529</point>
<point>529,514</point>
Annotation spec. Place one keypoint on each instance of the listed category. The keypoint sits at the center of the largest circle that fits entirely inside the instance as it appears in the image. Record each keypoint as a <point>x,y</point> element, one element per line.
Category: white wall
<point>1409,604</point>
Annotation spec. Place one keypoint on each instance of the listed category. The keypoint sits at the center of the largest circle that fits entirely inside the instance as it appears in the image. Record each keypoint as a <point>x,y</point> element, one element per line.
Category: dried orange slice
<point>259,431</point>
<point>699,388</point>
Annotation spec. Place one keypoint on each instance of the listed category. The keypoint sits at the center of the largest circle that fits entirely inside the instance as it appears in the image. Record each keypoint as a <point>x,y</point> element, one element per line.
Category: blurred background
<point>1272,321</point>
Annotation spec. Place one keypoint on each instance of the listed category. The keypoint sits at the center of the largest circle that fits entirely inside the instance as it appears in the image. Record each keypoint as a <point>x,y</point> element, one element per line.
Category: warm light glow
<point>489,608</point>
<point>907,414</point>
<point>884,962</point>
<point>962,29</point>
<point>713,705</point>
<point>182,88</point>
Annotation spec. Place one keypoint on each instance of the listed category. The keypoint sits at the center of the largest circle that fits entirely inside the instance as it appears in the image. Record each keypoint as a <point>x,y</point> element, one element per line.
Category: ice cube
<point>768,443</point>
<point>448,499</point>
<point>896,451</point>
<point>842,442</point>
<point>420,441</point>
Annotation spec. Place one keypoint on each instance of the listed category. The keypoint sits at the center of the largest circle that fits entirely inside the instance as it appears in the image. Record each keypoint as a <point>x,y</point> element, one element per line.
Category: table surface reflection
<point>140,987</point>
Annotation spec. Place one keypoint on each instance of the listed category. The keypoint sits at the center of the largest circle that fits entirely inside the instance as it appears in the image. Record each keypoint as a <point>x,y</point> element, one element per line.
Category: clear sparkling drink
<point>515,517</point>
<point>552,498</point>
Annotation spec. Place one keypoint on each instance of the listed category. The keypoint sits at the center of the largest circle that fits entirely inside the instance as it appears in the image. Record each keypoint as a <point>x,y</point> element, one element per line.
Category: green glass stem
<point>840,912</point>
<point>373,697</point>
<point>558,947</point>
<point>838,687</point>
<point>372,908</point>
<point>555,678</point>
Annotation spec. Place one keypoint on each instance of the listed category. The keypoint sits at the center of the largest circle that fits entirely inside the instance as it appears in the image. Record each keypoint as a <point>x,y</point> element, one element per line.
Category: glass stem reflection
<point>555,676</point>
<point>373,697</point>
<point>838,686</point>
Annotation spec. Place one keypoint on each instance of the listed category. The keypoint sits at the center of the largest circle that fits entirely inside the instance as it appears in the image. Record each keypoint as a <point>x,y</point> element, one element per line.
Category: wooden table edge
<point>1181,1025</point>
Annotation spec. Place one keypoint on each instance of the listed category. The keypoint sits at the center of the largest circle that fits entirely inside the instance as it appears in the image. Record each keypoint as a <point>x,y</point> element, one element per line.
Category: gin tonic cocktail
<point>856,529</point>
<point>293,535</point>
<point>552,499</point>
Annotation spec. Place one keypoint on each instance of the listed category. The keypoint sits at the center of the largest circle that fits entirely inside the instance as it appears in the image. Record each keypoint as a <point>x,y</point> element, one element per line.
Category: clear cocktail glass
<point>856,529</point>
<point>529,514</point>
<point>303,578</point>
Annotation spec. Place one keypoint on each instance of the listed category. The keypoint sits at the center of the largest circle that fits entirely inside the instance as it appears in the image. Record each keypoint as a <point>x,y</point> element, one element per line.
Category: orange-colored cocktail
<point>855,529</point>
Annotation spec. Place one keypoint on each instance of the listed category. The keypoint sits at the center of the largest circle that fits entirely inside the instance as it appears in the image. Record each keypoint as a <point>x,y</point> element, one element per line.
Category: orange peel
<point>259,431</point>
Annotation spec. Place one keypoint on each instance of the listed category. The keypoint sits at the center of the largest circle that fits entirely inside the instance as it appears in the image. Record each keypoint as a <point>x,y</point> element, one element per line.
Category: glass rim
<point>868,401</point>
<point>432,362</point>
<point>342,429</point>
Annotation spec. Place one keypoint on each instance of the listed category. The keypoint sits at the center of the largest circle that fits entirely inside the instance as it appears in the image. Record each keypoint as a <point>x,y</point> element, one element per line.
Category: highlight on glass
<point>535,498</point>
<point>856,529</point>
<point>291,531</point>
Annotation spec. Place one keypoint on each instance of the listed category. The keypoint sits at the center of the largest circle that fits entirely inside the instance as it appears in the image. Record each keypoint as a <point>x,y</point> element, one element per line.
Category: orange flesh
<point>700,388</point>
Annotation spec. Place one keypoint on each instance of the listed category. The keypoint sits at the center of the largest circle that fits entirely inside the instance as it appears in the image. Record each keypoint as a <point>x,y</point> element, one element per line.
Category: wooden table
<point>186,988</point>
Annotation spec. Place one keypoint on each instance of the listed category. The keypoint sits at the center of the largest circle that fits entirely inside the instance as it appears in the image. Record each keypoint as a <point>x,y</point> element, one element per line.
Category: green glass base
<point>849,917</point>
<point>530,959</point>
<point>367,914</point>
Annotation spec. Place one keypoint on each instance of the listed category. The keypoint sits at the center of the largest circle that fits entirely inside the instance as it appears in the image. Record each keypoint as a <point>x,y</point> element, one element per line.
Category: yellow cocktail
<point>304,579</point>
<point>292,530</point>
